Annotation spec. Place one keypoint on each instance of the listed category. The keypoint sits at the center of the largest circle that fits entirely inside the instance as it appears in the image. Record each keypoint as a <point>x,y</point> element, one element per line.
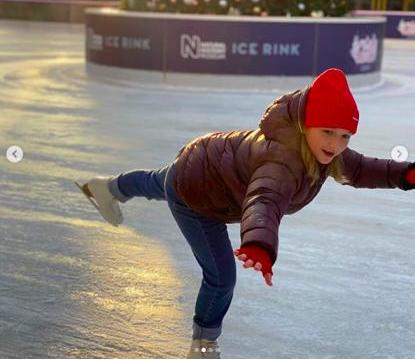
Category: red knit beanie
<point>330,103</point>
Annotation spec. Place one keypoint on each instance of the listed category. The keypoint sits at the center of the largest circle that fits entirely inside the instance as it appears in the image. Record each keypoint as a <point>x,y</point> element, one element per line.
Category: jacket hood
<point>284,115</point>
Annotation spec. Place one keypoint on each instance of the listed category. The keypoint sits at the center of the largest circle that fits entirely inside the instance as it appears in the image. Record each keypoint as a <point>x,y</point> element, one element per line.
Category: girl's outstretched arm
<point>270,189</point>
<point>373,173</point>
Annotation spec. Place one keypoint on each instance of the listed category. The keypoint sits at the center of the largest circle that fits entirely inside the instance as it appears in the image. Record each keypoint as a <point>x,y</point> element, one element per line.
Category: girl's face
<point>326,143</point>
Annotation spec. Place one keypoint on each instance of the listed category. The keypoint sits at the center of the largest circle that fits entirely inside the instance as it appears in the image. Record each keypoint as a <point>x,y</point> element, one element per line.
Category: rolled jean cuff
<point>115,190</point>
<point>200,332</point>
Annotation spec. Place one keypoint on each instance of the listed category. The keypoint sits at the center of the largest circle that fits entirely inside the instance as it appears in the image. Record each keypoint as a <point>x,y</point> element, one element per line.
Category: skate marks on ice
<point>77,288</point>
<point>391,85</point>
<point>70,284</point>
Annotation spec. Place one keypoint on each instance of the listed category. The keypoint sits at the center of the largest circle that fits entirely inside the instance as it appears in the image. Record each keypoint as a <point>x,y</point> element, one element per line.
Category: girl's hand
<point>409,181</point>
<point>257,265</point>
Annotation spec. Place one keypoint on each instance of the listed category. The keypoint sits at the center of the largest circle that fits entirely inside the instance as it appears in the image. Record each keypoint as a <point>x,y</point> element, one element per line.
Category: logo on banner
<point>94,41</point>
<point>364,49</point>
<point>407,28</point>
<point>192,47</point>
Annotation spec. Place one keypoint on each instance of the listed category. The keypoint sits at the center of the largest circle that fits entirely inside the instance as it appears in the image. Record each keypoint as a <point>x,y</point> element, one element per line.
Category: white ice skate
<point>97,192</point>
<point>204,349</point>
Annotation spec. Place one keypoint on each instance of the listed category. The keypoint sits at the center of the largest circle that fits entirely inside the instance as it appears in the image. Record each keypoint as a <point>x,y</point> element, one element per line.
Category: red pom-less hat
<point>330,103</point>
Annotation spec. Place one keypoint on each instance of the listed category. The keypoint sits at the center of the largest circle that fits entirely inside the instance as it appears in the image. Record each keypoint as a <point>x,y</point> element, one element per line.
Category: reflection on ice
<point>85,273</point>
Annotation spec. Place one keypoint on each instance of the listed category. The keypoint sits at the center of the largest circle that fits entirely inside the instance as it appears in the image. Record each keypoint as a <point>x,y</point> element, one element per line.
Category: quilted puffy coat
<point>257,176</point>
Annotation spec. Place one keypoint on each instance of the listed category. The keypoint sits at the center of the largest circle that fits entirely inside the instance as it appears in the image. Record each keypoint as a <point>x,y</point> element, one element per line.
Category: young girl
<point>253,177</point>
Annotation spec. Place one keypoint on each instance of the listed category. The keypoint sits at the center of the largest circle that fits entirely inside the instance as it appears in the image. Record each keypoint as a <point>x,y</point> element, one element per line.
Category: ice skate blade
<point>86,195</point>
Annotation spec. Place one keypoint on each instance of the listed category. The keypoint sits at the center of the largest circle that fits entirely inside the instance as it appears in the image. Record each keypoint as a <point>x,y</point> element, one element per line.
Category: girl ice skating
<point>254,178</point>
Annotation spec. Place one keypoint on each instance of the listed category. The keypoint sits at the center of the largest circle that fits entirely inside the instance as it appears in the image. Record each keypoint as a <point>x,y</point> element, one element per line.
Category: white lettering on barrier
<point>97,42</point>
<point>192,47</point>
<point>269,49</point>
<point>94,41</point>
<point>135,43</point>
<point>213,50</point>
<point>112,41</point>
<point>244,48</point>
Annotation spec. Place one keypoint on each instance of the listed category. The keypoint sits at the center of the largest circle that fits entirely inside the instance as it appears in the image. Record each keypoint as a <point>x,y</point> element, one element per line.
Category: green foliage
<point>243,7</point>
<point>320,7</point>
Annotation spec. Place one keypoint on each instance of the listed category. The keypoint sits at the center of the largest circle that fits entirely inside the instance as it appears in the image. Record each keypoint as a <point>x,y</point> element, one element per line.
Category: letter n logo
<point>189,46</point>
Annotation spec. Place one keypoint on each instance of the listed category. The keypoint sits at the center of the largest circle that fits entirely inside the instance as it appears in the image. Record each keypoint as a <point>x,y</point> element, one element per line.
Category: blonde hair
<point>334,169</point>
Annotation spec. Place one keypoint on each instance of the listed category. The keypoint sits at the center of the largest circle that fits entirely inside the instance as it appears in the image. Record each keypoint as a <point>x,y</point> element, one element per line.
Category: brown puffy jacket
<point>255,177</point>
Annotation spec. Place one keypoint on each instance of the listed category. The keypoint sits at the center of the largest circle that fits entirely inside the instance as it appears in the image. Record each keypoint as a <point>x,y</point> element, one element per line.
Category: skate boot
<point>204,349</point>
<point>97,192</point>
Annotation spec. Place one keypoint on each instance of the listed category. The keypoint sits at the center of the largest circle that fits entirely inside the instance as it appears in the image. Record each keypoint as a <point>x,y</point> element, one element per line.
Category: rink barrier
<point>72,11</point>
<point>399,24</point>
<point>233,50</point>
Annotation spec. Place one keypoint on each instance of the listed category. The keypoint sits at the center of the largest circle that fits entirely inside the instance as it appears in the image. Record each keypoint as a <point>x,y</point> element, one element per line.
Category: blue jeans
<point>208,239</point>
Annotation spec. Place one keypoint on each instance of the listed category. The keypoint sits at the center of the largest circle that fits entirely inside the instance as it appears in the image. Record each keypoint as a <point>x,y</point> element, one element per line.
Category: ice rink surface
<point>73,286</point>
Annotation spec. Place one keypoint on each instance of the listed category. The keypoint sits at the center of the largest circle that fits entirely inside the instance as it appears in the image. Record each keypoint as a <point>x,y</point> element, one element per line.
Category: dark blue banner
<point>125,41</point>
<point>230,47</point>
<point>233,46</point>
<point>355,49</point>
<point>400,24</point>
